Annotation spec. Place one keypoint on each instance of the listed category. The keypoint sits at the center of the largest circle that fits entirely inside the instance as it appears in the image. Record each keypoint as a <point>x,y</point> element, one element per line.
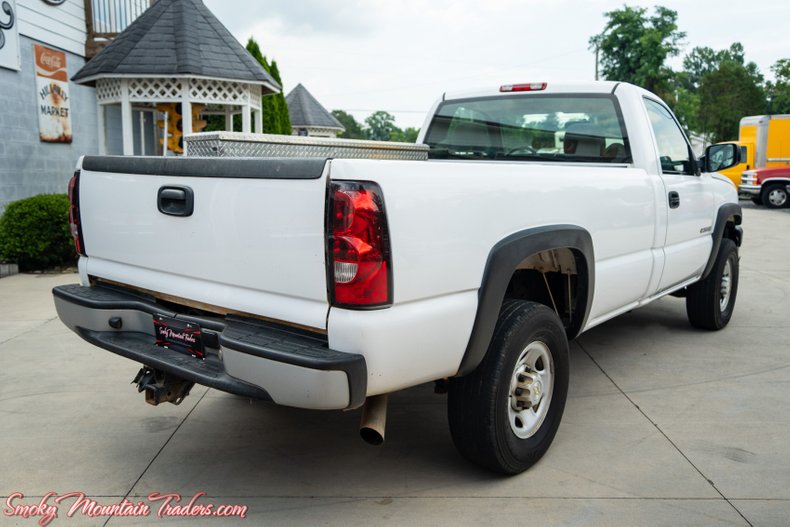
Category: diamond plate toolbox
<point>238,144</point>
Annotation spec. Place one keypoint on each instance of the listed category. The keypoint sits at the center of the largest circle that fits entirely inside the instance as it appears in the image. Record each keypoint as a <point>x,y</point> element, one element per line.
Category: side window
<point>673,150</point>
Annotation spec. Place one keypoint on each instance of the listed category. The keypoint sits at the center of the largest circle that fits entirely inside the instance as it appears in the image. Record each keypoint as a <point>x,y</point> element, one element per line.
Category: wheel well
<point>732,231</point>
<point>524,251</point>
<point>553,278</point>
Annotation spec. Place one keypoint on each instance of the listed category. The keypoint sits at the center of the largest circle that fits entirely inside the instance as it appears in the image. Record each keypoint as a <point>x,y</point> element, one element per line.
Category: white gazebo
<point>175,52</point>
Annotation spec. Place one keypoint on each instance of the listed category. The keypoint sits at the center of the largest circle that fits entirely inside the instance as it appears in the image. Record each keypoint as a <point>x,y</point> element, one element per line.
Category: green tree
<point>686,104</point>
<point>703,60</point>
<point>704,115</point>
<point>282,123</point>
<point>634,46</point>
<point>410,134</point>
<point>779,89</point>
<point>380,126</point>
<point>727,94</point>
<point>354,130</point>
<point>700,61</point>
<point>274,108</point>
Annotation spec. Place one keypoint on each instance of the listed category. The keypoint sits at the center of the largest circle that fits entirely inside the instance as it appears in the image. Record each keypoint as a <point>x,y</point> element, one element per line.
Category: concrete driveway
<point>665,425</point>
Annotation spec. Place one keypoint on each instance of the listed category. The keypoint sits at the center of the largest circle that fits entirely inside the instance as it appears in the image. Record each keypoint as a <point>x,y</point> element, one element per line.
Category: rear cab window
<point>584,128</point>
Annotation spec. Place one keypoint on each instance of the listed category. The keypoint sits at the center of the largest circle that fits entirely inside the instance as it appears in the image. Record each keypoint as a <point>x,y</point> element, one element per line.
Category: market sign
<point>9,35</point>
<point>52,98</point>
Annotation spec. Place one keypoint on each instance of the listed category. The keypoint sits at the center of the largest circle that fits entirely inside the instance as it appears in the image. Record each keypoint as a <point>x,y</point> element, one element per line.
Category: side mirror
<point>720,157</point>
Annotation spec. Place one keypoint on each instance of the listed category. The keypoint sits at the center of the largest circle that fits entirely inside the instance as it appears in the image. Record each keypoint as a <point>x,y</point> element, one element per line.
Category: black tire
<point>479,404</point>
<point>757,200</point>
<point>775,196</point>
<point>705,298</point>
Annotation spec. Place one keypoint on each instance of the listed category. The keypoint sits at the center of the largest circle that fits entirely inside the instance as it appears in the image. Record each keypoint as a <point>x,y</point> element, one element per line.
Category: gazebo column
<point>258,121</point>
<point>186,112</point>
<point>228,119</point>
<point>101,130</point>
<point>246,118</point>
<point>127,130</point>
<point>186,117</point>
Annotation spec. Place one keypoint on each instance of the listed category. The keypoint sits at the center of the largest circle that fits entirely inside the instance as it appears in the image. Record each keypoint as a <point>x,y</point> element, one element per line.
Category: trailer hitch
<point>161,387</point>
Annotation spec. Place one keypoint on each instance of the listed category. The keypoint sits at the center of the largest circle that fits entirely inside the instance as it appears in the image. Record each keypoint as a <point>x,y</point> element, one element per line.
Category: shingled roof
<point>305,111</point>
<point>178,38</point>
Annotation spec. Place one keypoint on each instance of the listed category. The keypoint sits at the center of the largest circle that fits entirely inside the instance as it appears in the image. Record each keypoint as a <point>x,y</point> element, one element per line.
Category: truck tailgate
<point>253,243</point>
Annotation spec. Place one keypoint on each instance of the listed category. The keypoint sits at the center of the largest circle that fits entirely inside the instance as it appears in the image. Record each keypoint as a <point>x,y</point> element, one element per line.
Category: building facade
<point>47,121</point>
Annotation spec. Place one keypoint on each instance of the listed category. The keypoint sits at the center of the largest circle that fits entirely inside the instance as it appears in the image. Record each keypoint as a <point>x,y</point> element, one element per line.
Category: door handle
<point>674,200</point>
<point>176,201</point>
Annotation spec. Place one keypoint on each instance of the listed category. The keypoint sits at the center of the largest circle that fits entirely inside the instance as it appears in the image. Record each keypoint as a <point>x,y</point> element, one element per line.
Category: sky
<point>400,56</point>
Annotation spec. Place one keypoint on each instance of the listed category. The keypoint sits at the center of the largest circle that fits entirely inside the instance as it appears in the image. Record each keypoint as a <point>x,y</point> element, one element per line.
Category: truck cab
<point>767,186</point>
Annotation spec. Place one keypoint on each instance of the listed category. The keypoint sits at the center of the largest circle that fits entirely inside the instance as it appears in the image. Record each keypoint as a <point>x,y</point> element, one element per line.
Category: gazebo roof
<point>304,110</point>
<point>176,38</point>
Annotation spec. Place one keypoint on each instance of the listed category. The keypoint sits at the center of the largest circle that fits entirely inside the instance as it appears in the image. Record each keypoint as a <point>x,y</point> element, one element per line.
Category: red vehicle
<point>766,186</point>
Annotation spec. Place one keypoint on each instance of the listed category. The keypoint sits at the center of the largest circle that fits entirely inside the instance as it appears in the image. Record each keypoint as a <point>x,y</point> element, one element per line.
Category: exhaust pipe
<point>374,419</point>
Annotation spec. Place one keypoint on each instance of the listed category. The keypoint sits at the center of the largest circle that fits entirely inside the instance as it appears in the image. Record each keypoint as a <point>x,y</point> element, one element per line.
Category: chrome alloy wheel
<point>777,197</point>
<point>726,286</point>
<point>531,388</point>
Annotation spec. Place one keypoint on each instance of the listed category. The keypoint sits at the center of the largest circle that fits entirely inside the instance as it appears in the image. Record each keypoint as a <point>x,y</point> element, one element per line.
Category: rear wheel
<point>710,302</point>
<point>775,196</point>
<point>505,414</point>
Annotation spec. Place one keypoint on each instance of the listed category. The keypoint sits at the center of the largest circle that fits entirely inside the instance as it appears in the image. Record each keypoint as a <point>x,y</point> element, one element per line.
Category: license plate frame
<point>179,335</point>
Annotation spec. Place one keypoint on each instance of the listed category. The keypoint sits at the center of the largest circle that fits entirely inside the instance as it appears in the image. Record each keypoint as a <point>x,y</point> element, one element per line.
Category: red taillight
<point>358,249</point>
<point>532,86</point>
<point>74,213</point>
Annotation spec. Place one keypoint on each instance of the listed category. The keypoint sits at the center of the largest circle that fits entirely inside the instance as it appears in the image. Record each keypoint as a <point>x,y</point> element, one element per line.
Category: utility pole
<point>597,49</point>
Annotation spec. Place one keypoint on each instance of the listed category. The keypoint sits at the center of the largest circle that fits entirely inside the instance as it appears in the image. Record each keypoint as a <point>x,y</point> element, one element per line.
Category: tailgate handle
<point>176,201</point>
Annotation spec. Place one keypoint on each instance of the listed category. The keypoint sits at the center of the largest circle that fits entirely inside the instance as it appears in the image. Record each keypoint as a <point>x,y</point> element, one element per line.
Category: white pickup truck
<point>544,210</point>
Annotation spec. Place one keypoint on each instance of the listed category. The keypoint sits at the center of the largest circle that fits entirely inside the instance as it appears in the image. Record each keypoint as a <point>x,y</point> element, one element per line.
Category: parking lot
<point>665,425</point>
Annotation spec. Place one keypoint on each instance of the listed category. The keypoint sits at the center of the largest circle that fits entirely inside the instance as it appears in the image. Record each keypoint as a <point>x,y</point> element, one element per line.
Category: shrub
<point>34,233</point>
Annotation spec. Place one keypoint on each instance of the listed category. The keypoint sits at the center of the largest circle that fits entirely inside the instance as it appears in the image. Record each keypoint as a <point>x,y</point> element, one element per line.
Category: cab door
<point>687,204</point>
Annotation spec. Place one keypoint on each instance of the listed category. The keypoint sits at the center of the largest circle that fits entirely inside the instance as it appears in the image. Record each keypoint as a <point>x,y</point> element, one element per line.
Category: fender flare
<point>502,262</point>
<point>726,211</point>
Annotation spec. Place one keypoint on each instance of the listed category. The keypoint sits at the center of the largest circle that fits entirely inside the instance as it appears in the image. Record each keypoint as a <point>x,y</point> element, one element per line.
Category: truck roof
<point>551,87</point>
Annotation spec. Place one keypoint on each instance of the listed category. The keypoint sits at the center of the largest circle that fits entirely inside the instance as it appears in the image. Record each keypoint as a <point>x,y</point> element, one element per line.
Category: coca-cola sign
<point>53,102</point>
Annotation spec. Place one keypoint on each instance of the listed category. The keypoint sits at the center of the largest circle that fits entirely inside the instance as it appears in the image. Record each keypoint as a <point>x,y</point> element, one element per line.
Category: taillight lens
<point>74,213</point>
<point>358,247</point>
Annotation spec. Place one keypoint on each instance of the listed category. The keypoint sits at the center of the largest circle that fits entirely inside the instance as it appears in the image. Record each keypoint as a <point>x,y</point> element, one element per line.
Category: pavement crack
<point>158,453</point>
<point>29,330</point>
<point>639,409</point>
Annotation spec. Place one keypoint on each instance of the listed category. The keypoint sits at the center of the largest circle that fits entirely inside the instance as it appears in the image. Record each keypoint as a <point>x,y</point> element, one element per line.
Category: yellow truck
<point>764,142</point>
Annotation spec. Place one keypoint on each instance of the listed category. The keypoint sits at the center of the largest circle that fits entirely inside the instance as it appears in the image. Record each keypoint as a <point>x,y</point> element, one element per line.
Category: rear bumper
<point>246,357</point>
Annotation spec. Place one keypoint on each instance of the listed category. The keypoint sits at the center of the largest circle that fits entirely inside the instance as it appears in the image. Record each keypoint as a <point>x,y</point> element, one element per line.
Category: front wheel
<point>505,414</point>
<point>711,301</point>
<point>775,196</point>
